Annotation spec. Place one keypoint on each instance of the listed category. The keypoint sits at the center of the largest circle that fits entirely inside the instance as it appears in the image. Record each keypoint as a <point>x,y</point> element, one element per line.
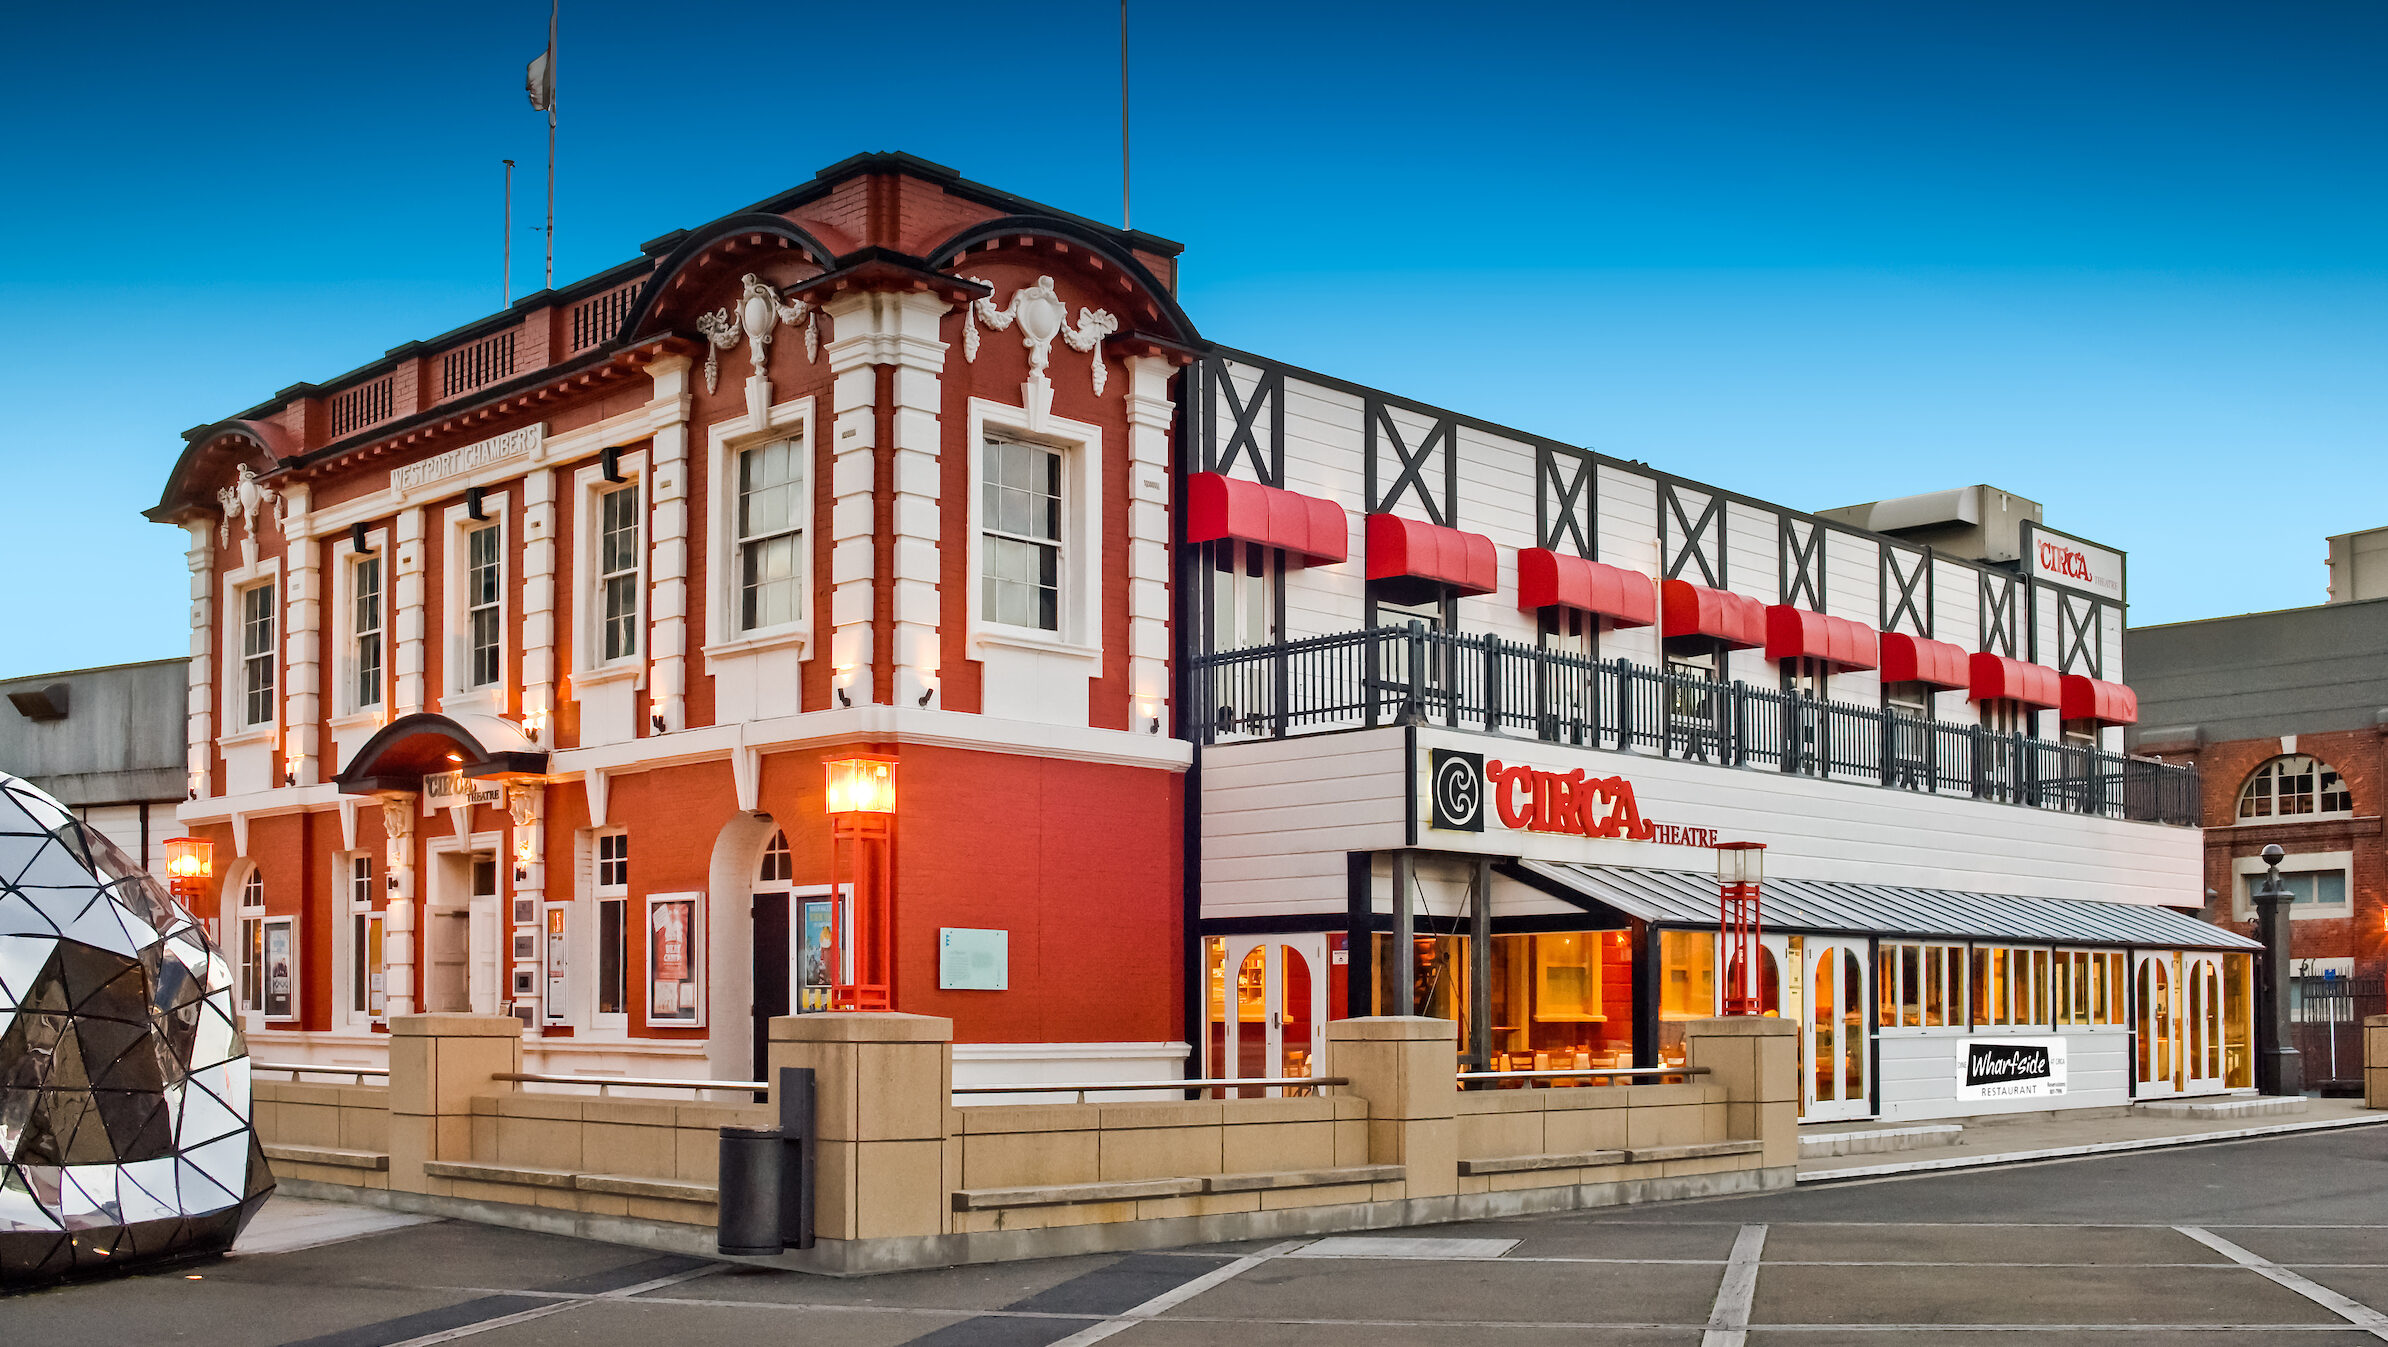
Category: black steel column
<point>2279,1070</point>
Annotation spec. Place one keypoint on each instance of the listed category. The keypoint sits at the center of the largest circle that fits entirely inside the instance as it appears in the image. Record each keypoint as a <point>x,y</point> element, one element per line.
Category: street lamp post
<point>2279,1070</point>
<point>1740,877</point>
<point>859,798</point>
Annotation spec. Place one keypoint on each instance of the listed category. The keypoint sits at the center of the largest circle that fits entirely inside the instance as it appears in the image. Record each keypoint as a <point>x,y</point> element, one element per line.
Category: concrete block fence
<point>906,1179</point>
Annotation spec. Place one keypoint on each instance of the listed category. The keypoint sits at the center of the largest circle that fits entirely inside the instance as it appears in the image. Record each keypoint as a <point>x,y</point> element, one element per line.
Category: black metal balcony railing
<point>1386,675</point>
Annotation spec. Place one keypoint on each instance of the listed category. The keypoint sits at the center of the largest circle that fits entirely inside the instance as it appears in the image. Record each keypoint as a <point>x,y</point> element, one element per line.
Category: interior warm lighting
<point>860,786</point>
<point>455,757</point>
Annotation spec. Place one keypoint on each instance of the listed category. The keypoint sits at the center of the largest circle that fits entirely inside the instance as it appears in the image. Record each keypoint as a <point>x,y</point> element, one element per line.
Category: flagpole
<point>506,286</point>
<point>553,7</point>
<point>1123,114</point>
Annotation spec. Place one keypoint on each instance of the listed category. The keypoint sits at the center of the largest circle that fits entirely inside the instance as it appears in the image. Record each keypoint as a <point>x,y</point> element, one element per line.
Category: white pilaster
<point>1150,416</point>
<point>538,602</point>
<point>200,558</point>
<point>667,543</point>
<point>410,614</point>
<point>398,911</point>
<point>919,360</point>
<point>854,355</point>
<point>302,646</point>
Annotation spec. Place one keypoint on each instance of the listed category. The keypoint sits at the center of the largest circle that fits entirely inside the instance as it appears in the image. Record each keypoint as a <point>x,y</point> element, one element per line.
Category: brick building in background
<point>2286,716</point>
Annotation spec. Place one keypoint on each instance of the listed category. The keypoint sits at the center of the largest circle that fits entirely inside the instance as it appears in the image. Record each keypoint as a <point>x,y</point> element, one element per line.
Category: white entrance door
<point>2159,1063</point>
<point>2201,1041</point>
<point>1834,1043</point>
<point>1274,1016</point>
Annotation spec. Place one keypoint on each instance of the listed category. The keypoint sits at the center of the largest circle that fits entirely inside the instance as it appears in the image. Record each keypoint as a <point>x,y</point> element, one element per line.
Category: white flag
<point>540,81</point>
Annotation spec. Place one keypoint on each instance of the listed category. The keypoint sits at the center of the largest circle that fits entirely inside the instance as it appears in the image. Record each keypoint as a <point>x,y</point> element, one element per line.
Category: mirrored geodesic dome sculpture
<point>125,1133</point>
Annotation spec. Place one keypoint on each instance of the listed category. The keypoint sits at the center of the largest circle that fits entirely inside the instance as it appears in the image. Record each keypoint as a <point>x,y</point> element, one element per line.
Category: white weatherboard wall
<point>1278,817</point>
<point>1920,1069</point>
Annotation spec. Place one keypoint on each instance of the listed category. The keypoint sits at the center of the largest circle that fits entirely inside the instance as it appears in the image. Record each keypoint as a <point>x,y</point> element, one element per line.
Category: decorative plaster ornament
<point>125,1133</point>
<point>245,498</point>
<point>523,803</point>
<point>759,312</point>
<point>1042,317</point>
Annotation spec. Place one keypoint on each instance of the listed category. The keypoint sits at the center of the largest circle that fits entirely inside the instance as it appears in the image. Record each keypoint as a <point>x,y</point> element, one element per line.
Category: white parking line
<point>1177,1295</point>
<point>1729,1321</point>
<point>542,1311</point>
<point>2354,1312</point>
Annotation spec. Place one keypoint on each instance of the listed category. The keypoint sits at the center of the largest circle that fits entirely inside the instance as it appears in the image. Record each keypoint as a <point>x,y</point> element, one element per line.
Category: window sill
<point>254,734</point>
<point>633,670</point>
<point>1025,638</point>
<point>757,643</point>
<point>357,720</point>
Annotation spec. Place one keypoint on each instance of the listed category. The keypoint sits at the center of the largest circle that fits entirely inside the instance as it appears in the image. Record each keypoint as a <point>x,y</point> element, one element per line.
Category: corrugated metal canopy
<point>1680,898</point>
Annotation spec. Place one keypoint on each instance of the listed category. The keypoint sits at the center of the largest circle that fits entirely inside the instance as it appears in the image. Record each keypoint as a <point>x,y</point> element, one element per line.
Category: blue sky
<point>2128,260</point>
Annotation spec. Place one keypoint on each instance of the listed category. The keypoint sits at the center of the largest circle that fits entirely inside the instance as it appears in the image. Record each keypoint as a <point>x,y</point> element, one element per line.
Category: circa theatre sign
<point>2059,559</point>
<point>1529,799</point>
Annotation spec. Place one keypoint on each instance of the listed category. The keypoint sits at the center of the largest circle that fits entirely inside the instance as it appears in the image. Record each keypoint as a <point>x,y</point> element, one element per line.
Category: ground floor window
<point>368,983</point>
<point>1920,986</point>
<point>1560,1000</point>
<point>613,988</point>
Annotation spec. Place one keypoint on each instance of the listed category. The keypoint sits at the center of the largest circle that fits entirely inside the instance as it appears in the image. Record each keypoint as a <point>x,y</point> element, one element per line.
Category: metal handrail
<point>1584,1072</point>
<point>633,1082</point>
<point>296,1069</point>
<point>1081,1089</point>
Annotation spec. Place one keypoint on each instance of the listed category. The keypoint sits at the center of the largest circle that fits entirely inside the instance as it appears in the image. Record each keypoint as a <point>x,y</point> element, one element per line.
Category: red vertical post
<point>1740,874</point>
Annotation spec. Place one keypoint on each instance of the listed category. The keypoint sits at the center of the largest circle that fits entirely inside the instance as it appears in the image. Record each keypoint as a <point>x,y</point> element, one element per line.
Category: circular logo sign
<point>1459,791</point>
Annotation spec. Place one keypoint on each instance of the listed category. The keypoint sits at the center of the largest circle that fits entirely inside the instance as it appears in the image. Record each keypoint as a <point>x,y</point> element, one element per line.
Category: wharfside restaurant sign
<point>2061,560</point>
<point>1528,799</point>
<point>2012,1068</point>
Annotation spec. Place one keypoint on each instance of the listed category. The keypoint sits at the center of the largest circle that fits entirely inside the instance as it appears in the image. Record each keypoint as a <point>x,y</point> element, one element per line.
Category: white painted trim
<point>724,440</point>
<point>588,486</point>
<point>1082,505</point>
<point>238,728</point>
<point>341,662</point>
<point>494,699</point>
<point>2295,863</point>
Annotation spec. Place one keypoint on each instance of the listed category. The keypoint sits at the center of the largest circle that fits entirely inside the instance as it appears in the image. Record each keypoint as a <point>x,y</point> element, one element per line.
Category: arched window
<point>2295,786</point>
<point>777,866</point>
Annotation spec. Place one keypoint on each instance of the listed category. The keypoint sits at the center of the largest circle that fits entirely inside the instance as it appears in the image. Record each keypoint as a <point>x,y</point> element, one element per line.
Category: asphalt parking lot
<point>2267,1241</point>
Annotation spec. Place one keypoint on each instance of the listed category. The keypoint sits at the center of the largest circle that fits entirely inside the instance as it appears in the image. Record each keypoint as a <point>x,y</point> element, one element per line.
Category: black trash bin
<point>750,1191</point>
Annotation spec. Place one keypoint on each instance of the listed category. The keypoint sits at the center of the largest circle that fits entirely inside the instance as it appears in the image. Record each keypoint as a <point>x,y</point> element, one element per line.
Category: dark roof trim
<point>896,161</point>
<point>362,777</point>
<point>1102,242</point>
<point>688,246</point>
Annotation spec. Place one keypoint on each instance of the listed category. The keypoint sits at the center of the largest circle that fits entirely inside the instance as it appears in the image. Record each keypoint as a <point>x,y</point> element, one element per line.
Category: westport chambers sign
<point>2011,1068</point>
<point>1465,790</point>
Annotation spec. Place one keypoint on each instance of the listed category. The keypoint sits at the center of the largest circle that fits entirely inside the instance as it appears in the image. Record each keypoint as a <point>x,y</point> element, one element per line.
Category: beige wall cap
<point>455,1026</point>
<point>845,1026</point>
<point>1416,1028</point>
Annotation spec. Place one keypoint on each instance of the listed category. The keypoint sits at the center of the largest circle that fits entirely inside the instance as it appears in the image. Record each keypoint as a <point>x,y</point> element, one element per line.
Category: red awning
<point>1912,659</point>
<point>1996,678</point>
<point>1405,549</point>
<point>1796,633</point>
<point>2086,698</point>
<point>1312,531</point>
<point>1544,577</point>
<point>1696,610</point>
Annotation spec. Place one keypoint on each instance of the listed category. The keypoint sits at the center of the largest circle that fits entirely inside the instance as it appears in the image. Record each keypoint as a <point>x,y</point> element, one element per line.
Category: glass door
<point>1268,1009</point>
<point>2159,1065</point>
<point>2202,1055</point>
<point>1834,1045</point>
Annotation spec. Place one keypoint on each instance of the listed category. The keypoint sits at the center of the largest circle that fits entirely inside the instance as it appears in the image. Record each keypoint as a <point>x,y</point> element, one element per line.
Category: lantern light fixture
<point>861,785</point>
<point>190,861</point>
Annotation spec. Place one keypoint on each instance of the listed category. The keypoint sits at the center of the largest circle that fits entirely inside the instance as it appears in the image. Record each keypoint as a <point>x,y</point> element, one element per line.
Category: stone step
<point>1870,1140</point>
<point>2238,1106</point>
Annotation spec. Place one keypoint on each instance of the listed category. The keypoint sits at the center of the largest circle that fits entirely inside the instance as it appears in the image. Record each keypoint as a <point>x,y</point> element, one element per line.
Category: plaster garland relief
<point>247,499</point>
<point>759,312</point>
<point>1042,316</point>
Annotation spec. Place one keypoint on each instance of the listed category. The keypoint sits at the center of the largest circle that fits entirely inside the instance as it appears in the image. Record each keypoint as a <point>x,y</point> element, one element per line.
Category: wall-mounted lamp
<point>610,464</point>
<point>472,503</point>
<point>356,537</point>
<point>534,721</point>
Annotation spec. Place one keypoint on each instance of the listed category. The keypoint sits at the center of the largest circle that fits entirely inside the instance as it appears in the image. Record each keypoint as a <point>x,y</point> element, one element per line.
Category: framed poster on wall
<point>675,959</point>
<point>281,969</point>
<point>559,1008</point>
<point>813,967</point>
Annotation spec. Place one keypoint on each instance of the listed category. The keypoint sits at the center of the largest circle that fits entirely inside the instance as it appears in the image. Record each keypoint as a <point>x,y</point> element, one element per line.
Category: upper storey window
<point>2295,786</point>
<point>770,536</point>
<point>257,654</point>
<point>1244,583</point>
<point>483,626</point>
<point>617,572</point>
<point>1021,523</point>
<point>365,631</point>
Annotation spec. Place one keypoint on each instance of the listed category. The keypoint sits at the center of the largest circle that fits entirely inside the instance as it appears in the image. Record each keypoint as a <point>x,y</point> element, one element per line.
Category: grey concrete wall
<point>2295,671</point>
<point>122,740</point>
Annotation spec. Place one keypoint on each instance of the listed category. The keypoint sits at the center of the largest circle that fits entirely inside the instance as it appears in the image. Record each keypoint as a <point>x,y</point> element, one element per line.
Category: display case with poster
<point>559,1007</point>
<point>281,969</point>
<point>813,966</point>
<point>675,959</point>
